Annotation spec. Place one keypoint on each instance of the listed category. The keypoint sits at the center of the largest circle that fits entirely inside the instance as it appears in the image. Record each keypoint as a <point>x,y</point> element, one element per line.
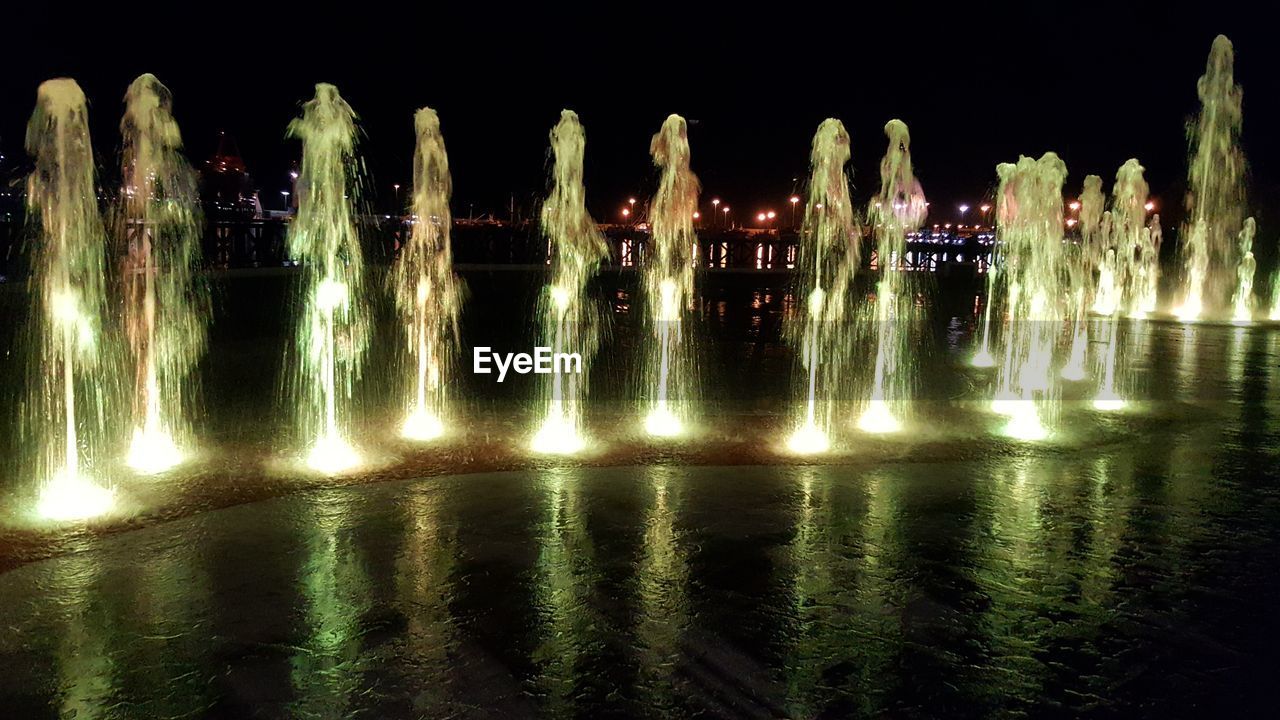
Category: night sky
<point>975,86</point>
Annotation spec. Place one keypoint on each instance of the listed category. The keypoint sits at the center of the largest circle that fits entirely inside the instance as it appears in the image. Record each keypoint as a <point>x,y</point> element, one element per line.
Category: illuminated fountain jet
<point>668,283</point>
<point>826,262</point>
<point>333,328</point>
<point>1215,194</point>
<point>1030,224</point>
<point>1242,301</point>
<point>427,293</point>
<point>899,208</point>
<point>71,390</point>
<point>1087,256</point>
<point>1126,233</point>
<point>166,306</point>
<point>569,320</point>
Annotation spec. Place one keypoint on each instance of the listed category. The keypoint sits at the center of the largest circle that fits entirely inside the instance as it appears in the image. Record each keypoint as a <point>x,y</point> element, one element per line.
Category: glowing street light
<point>715,204</point>
<point>725,210</point>
<point>795,199</point>
<point>963,209</point>
<point>1074,205</point>
<point>1150,206</point>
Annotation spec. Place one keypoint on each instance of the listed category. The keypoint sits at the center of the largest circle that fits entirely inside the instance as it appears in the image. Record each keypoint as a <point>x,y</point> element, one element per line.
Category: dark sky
<point>976,86</point>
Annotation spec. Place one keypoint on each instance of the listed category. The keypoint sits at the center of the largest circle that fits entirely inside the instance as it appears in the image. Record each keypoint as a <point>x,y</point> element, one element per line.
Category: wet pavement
<point>1114,582</point>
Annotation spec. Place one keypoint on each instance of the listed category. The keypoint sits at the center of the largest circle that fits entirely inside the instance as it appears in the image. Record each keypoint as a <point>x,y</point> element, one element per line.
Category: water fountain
<point>668,283</point>
<point>332,331</point>
<point>570,322</point>
<point>1030,226</point>
<point>427,292</point>
<point>1126,234</point>
<point>827,259</point>
<point>1085,257</point>
<point>1242,300</point>
<point>899,208</point>
<point>166,308</point>
<point>72,384</point>
<point>1215,195</point>
<point>1146,282</point>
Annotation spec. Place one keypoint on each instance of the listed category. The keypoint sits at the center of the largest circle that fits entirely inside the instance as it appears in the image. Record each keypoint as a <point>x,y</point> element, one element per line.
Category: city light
<point>1074,205</point>
<point>963,209</point>
<point>1150,206</point>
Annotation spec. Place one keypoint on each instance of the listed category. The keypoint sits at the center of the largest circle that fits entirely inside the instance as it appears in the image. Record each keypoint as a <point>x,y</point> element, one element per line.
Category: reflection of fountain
<point>898,209</point>
<point>1029,215</point>
<point>828,259</point>
<point>72,383</point>
<point>1215,179</point>
<point>426,290</point>
<point>166,309</point>
<point>333,328</point>
<point>668,282</point>
<point>569,320</point>
<point>1242,302</point>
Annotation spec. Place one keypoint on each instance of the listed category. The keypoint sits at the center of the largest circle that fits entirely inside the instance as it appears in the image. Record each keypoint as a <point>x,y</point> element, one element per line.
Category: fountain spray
<point>1126,233</point>
<point>166,307</point>
<point>1242,302</point>
<point>1215,181</point>
<point>899,208</point>
<point>668,282</point>
<point>569,321</point>
<point>1029,216</point>
<point>1086,256</point>
<point>72,387</point>
<point>427,293</point>
<point>332,332</point>
<point>1146,281</point>
<point>828,258</point>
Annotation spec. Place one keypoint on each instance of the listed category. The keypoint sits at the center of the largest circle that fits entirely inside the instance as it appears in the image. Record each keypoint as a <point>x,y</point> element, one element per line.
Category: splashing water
<point>899,208</point>
<point>72,386</point>
<point>1029,216</point>
<point>668,283</point>
<point>332,332</point>
<point>1146,281</point>
<point>1084,258</point>
<point>1215,195</point>
<point>569,321</point>
<point>427,293</point>
<point>1242,302</point>
<point>1125,233</point>
<point>166,308</point>
<point>827,261</point>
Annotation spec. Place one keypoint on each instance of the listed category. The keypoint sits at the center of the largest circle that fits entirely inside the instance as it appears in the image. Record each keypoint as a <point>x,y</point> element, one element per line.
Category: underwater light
<point>808,439</point>
<point>983,359</point>
<point>422,425</point>
<point>332,454</point>
<point>879,419</point>
<point>72,497</point>
<point>153,451</point>
<point>1108,401</point>
<point>1024,422</point>
<point>557,436</point>
<point>661,422</point>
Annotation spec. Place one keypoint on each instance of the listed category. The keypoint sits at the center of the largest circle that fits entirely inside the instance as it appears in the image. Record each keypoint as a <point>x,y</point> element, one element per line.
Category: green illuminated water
<point>427,293</point>
<point>569,321</point>
<point>669,369</point>
<point>73,384</point>
<point>332,329</point>
<point>827,259</point>
<point>166,307</point>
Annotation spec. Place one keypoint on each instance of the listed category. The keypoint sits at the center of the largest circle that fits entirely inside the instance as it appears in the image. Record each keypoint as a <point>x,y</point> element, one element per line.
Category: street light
<point>1074,205</point>
<point>715,203</point>
<point>794,200</point>
<point>963,209</point>
<point>285,193</point>
<point>1149,206</point>
<point>725,210</point>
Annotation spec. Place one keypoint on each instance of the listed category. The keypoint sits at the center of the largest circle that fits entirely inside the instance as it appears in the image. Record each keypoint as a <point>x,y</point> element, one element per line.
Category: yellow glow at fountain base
<point>1108,402</point>
<point>661,422</point>
<point>1188,313</point>
<point>153,451</point>
<point>1024,422</point>
<point>808,439</point>
<point>983,359</point>
<point>421,425</point>
<point>73,498</point>
<point>332,454</point>
<point>557,436</point>
<point>879,419</point>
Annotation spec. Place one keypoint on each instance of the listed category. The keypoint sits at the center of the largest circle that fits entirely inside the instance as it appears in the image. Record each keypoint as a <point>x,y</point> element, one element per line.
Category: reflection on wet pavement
<point>1125,580</point>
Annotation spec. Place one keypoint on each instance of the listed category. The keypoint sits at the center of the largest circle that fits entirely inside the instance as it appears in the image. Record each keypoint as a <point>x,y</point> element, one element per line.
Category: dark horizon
<point>976,89</point>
